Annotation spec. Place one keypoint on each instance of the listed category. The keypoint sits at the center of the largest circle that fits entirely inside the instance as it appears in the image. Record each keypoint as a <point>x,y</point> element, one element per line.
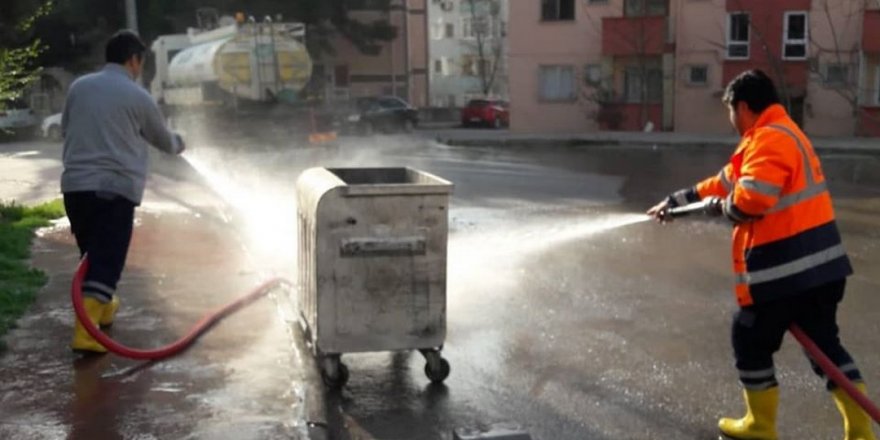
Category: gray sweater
<point>107,122</point>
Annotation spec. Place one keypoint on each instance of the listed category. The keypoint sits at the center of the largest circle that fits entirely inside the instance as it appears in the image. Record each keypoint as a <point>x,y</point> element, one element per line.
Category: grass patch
<point>19,282</point>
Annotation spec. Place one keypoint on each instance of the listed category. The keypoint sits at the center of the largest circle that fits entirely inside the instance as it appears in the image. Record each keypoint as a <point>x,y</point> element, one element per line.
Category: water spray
<point>230,194</point>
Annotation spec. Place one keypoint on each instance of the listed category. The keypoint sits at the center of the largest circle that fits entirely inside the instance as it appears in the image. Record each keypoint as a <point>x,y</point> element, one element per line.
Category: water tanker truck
<point>237,62</point>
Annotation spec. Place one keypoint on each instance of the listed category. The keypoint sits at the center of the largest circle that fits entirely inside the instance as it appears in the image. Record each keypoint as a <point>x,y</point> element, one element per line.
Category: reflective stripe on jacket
<point>785,240</point>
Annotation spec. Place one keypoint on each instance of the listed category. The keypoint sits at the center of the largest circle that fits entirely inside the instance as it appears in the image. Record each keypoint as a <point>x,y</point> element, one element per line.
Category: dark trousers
<point>102,224</point>
<point>758,331</point>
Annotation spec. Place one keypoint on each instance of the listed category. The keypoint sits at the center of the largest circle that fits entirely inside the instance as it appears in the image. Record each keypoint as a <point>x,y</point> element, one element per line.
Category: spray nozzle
<point>711,206</point>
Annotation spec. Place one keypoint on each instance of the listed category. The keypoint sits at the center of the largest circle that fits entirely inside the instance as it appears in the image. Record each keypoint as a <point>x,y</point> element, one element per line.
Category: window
<point>341,76</point>
<point>468,65</point>
<point>738,36</point>
<point>640,8</point>
<point>795,36</point>
<point>556,83</point>
<point>557,10</point>
<point>437,30</point>
<point>592,74</point>
<point>636,79</point>
<point>698,75</point>
<point>438,66</point>
<point>836,75</point>
<point>484,67</point>
<point>471,27</point>
<point>877,87</point>
<point>391,102</point>
<point>482,25</point>
<point>478,7</point>
<point>450,30</point>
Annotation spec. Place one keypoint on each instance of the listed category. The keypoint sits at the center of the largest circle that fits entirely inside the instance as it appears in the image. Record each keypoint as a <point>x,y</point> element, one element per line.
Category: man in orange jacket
<point>789,262</point>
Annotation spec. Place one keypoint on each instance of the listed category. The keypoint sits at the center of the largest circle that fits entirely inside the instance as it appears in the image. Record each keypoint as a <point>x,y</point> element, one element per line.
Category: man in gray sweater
<point>107,123</point>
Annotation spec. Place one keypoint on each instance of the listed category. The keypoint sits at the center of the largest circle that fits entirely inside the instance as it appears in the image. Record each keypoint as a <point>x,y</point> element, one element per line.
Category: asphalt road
<point>568,316</point>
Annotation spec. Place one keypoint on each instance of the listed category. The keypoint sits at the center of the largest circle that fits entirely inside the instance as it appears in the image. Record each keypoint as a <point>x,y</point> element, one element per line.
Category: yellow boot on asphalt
<point>109,312</point>
<point>856,423</point>
<point>82,341</point>
<point>759,422</point>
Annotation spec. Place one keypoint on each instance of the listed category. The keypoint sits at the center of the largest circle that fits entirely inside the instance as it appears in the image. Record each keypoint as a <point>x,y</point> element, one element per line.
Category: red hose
<point>834,373</point>
<point>214,317</point>
<point>171,349</point>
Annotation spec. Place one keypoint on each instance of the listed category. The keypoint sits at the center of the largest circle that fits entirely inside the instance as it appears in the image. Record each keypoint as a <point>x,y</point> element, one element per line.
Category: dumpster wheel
<point>436,367</point>
<point>334,373</point>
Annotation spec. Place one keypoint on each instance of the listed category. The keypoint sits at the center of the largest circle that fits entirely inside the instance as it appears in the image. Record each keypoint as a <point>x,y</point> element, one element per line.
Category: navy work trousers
<point>758,331</point>
<point>102,224</point>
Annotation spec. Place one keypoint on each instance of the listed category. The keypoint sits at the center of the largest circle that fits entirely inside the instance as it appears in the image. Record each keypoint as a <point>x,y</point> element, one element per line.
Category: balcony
<point>634,36</point>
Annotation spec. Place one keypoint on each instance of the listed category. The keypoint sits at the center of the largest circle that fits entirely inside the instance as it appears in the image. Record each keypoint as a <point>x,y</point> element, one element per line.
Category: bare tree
<point>487,47</point>
<point>841,79</point>
<point>640,39</point>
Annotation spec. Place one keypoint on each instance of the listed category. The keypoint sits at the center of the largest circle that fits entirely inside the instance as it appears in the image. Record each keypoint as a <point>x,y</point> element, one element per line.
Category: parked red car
<point>492,112</point>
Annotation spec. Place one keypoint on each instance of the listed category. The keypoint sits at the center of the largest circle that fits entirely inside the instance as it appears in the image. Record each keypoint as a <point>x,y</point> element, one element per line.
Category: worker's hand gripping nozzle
<point>711,206</point>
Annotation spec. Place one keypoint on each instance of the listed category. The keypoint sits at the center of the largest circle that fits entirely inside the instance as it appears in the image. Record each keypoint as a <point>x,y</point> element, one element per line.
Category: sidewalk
<point>250,377</point>
<point>493,138</point>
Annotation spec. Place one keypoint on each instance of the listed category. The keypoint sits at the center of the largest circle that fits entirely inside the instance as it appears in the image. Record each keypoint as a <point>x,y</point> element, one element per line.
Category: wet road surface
<point>565,315</point>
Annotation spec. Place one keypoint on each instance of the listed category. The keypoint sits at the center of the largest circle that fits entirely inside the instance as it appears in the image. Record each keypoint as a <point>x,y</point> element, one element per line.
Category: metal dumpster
<point>372,264</point>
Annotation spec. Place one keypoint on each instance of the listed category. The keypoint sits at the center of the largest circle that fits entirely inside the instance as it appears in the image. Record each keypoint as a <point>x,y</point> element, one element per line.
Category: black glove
<point>682,197</point>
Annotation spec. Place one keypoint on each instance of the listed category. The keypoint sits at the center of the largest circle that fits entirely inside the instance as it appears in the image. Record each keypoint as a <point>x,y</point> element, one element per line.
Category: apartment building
<point>468,50</point>
<point>399,68</point>
<point>587,65</point>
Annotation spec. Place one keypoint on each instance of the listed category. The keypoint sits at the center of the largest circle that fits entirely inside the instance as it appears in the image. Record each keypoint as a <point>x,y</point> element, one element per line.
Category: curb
<point>633,143</point>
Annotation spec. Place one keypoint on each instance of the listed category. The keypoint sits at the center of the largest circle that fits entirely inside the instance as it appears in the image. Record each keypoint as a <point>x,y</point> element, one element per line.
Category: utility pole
<point>393,54</point>
<point>406,52</point>
<point>131,21</point>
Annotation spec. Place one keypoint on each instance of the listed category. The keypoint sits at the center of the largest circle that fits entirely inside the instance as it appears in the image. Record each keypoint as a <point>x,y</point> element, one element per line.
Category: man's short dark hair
<point>124,45</point>
<point>754,88</point>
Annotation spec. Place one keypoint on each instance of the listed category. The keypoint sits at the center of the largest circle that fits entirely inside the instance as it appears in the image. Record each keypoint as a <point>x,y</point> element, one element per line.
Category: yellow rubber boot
<point>759,422</point>
<point>82,341</point>
<point>109,312</point>
<point>856,423</point>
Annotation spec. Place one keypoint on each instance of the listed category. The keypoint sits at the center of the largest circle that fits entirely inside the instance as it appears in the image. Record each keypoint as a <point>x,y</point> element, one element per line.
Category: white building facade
<point>467,45</point>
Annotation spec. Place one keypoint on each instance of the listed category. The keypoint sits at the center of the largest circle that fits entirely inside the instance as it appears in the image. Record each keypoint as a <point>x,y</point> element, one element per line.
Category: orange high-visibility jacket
<point>785,240</point>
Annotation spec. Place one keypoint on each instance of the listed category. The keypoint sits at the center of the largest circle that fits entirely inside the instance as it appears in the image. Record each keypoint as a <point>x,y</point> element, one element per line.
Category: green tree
<point>19,48</point>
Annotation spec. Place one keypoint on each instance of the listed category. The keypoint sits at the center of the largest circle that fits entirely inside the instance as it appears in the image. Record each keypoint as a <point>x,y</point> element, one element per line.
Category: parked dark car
<point>487,112</point>
<point>380,114</point>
